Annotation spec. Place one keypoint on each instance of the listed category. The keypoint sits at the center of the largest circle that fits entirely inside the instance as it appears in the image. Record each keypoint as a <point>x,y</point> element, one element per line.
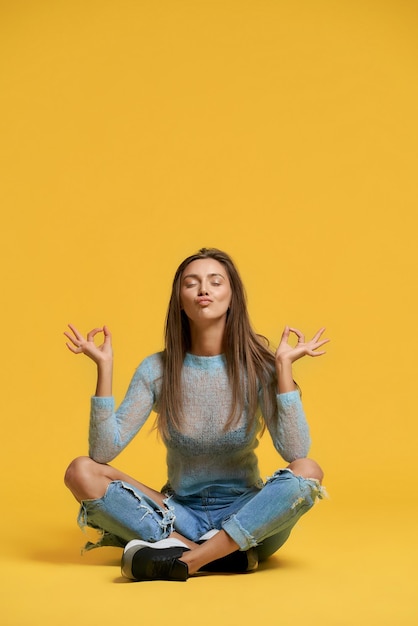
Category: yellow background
<point>133,133</point>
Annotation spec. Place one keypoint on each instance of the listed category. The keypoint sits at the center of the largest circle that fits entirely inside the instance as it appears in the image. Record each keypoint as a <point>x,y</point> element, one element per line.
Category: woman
<point>215,387</point>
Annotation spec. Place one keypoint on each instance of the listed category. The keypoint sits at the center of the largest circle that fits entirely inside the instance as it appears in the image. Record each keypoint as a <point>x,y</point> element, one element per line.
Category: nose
<point>203,290</point>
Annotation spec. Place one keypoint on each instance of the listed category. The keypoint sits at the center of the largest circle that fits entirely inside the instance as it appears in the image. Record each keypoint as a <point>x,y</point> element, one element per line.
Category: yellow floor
<point>342,566</point>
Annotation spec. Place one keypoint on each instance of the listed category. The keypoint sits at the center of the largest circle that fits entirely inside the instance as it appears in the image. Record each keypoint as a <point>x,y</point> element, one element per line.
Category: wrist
<point>105,365</point>
<point>283,362</point>
<point>284,373</point>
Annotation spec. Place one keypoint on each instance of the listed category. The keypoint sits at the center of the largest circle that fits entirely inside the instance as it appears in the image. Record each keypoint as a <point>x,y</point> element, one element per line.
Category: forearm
<point>290,433</point>
<point>104,378</point>
<point>285,382</point>
<point>111,430</point>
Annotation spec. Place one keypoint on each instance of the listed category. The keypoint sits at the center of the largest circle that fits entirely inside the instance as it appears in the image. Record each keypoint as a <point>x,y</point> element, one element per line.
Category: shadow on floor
<point>66,546</point>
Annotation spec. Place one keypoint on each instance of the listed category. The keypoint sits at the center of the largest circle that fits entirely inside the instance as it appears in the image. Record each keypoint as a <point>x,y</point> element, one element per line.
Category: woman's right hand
<point>78,344</point>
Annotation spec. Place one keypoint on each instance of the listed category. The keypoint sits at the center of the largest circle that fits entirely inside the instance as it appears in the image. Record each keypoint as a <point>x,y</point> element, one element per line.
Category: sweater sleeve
<point>110,431</point>
<point>289,430</point>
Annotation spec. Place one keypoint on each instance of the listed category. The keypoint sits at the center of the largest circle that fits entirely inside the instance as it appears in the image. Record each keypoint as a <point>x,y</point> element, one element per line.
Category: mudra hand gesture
<point>288,353</point>
<point>78,344</point>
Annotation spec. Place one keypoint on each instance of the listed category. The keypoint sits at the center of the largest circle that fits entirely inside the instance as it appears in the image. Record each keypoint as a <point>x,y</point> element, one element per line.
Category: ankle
<point>191,562</point>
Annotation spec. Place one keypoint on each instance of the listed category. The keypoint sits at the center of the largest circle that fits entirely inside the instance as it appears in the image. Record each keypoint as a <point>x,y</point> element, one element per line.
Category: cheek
<point>184,301</point>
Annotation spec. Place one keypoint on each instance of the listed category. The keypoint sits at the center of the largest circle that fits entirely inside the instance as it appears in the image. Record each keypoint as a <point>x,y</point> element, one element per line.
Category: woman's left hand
<point>287,353</point>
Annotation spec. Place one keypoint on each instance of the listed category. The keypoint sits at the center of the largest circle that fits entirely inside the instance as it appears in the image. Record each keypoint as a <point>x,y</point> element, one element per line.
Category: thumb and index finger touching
<point>103,329</point>
<point>316,339</point>
<point>77,339</point>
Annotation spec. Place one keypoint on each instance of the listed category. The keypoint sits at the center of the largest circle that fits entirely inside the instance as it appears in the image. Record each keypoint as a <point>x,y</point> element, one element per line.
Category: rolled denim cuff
<point>234,529</point>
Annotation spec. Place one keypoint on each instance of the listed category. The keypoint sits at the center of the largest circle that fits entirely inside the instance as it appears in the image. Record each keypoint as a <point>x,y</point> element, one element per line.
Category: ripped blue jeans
<point>262,517</point>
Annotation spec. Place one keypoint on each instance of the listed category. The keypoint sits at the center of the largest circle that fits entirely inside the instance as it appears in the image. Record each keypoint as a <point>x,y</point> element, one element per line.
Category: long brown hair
<point>250,362</point>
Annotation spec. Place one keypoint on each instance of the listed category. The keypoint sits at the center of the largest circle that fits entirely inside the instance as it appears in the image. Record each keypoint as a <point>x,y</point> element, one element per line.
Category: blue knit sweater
<point>202,454</point>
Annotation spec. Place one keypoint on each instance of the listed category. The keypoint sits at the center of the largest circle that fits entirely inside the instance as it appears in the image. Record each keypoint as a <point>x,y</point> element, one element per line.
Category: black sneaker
<point>154,561</point>
<point>237,561</point>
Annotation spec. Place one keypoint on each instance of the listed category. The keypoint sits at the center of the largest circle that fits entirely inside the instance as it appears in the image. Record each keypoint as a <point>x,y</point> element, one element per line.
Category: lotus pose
<point>215,388</point>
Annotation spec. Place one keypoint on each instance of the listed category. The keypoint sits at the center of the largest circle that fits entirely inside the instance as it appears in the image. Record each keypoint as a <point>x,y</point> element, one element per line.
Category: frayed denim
<point>267,520</point>
<point>257,516</point>
<point>125,513</point>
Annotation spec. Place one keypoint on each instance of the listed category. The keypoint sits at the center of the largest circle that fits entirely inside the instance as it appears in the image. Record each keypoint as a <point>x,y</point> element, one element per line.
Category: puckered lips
<point>203,300</point>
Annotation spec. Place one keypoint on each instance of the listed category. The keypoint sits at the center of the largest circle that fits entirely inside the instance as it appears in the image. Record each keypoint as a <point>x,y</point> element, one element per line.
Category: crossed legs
<point>88,480</point>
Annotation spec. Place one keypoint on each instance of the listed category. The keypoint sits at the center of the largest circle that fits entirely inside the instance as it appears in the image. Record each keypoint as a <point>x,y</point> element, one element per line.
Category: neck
<point>207,341</point>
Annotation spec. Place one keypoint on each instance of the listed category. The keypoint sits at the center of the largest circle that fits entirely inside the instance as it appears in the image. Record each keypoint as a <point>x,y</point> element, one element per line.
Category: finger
<point>318,334</point>
<point>93,333</point>
<point>316,352</point>
<point>321,343</point>
<point>313,348</point>
<point>107,333</point>
<point>74,340</point>
<point>74,349</point>
<point>77,333</point>
<point>285,334</point>
<point>299,334</point>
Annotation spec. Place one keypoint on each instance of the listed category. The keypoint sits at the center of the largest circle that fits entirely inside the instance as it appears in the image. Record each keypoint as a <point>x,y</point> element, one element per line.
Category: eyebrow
<point>197,276</point>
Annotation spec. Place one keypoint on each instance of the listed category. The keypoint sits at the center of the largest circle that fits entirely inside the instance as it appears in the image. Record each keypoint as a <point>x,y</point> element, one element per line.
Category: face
<point>205,291</point>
